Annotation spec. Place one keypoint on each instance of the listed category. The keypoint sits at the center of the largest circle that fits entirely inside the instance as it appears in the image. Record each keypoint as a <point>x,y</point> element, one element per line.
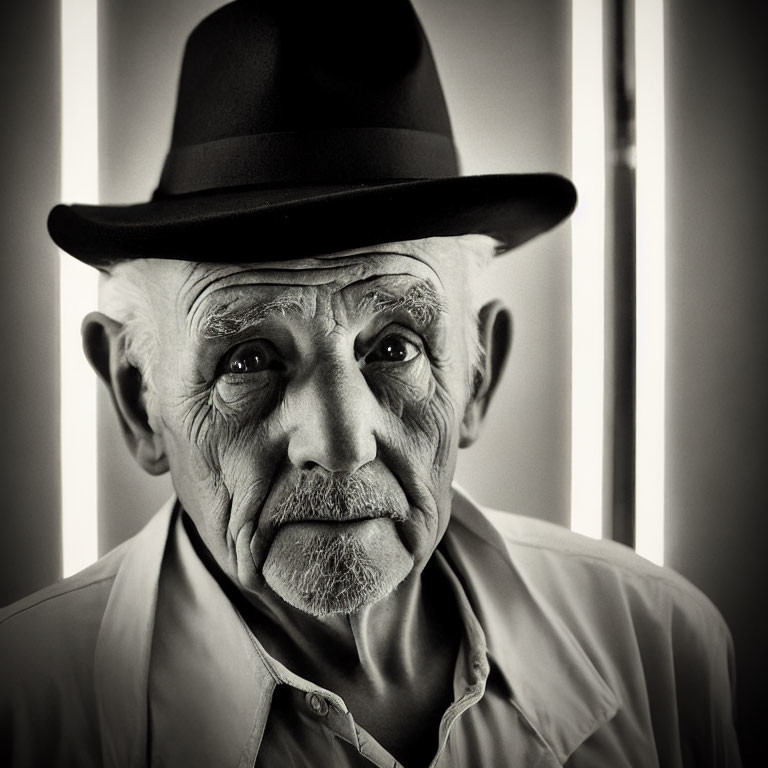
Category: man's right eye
<point>252,357</point>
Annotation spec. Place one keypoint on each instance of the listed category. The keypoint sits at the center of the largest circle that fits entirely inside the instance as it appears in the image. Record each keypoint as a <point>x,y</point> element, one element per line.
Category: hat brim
<point>257,224</point>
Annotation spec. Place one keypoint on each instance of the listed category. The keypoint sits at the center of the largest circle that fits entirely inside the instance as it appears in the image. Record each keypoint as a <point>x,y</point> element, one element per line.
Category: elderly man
<point>290,328</point>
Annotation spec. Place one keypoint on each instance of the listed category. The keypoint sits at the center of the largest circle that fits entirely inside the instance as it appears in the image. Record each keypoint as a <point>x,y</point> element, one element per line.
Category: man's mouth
<point>332,519</point>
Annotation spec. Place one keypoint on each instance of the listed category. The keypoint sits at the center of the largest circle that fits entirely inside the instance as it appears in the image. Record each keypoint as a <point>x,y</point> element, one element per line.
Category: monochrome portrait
<point>384,384</point>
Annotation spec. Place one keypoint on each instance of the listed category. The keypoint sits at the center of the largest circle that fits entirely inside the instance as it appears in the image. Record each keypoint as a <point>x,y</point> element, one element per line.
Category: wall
<point>717,431</point>
<point>30,543</point>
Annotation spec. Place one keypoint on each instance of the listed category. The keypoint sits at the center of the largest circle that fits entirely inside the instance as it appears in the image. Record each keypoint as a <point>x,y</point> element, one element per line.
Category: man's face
<point>310,411</point>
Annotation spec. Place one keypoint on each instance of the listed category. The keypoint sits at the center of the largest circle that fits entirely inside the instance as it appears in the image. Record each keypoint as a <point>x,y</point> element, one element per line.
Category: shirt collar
<point>121,661</point>
<point>210,685</point>
<point>553,683</point>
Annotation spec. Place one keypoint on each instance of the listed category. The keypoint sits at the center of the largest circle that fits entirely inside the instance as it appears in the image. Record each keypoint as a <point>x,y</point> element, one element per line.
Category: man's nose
<point>333,418</point>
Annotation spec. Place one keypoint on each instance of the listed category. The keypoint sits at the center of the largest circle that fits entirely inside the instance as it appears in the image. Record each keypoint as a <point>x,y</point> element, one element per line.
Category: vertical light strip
<point>78,285</point>
<point>651,291</point>
<point>588,228</point>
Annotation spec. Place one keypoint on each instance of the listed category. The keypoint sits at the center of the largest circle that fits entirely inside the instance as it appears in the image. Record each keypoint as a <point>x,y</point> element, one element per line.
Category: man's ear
<point>104,346</point>
<point>495,337</point>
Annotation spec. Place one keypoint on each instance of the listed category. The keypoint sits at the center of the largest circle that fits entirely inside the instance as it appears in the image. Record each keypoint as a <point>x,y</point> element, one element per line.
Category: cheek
<point>418,443</point>
<point>238,444</point>
<point>422,419</point>
<point>199,488</point>
<point>226,425</point>
<point>222,466</point>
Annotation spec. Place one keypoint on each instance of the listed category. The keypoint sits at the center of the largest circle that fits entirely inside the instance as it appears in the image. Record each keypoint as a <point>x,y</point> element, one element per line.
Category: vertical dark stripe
<point>620,271</point>
<point>716,526</point>
<point>30,531</point>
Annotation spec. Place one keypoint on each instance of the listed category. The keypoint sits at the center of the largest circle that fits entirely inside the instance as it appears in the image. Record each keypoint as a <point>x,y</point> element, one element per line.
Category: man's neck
<point>392,662</point>
<point>378,645</point>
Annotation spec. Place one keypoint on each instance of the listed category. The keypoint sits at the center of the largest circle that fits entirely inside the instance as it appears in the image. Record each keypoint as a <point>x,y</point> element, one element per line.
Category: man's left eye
<point>393,349</point>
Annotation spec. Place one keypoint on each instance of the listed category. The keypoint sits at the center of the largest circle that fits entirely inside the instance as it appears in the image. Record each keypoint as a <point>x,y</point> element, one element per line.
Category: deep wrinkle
<point>313,270</point>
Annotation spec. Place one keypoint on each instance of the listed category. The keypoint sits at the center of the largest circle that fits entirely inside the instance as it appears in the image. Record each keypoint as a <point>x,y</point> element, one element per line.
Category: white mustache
<point>321,497</point>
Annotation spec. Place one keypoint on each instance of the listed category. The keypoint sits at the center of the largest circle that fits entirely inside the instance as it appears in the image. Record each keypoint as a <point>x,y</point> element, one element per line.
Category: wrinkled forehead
<point>439,264</point>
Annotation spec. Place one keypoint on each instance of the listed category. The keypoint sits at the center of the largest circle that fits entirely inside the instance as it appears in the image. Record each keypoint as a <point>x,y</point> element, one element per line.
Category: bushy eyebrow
<point>221,320</point>
<point>421,301</point>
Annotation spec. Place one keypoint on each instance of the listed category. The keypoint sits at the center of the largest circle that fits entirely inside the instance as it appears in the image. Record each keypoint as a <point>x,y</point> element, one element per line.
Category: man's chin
<point>323,568</point>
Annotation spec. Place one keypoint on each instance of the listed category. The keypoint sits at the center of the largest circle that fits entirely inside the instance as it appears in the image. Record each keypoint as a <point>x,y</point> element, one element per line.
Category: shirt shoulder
<point>47,647</point>
<point>62,647</point>
<point>48,601</point>
<point>535,542</point>
<point>658,641</point>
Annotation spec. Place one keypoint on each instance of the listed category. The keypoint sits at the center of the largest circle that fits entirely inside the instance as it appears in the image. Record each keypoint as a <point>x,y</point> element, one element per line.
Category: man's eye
<point>251,357</point>
<point>393,349</point>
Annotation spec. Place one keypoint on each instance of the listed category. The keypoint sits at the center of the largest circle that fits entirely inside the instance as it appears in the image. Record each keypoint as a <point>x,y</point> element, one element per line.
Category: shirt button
<point>317,704</point>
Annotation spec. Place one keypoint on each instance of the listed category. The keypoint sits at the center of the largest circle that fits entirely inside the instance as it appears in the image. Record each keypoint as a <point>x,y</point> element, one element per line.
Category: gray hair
<point>124,295</point>
<point>478,251</point>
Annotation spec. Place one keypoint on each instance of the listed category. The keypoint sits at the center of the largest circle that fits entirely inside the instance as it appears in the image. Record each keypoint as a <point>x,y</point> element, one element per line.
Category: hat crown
<point>258,75</point>
<point>257,66</point>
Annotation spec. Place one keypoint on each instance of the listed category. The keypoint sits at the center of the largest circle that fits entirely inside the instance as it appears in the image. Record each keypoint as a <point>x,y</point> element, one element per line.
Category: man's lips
<point>325,519</point>
<point>362,529</point>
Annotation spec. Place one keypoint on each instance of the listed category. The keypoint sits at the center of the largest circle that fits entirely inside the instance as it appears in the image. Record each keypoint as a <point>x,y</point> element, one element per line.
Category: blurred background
<point>510,71</point>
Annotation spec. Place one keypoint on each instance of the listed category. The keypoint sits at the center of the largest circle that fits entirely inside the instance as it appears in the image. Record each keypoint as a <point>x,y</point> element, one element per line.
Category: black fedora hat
<point>306,128</point>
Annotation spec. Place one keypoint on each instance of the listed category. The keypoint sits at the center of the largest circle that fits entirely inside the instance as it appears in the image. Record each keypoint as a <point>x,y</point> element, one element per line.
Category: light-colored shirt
<point>575,653</point>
